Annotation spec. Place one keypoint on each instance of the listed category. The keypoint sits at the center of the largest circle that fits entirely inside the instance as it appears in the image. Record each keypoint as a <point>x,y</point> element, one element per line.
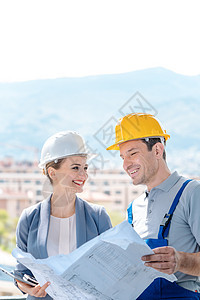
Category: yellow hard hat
<point>137,126</point>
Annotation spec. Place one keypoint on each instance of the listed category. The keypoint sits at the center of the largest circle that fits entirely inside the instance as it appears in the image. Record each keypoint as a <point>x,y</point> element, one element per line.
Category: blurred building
<point>111,188</point>
<point>22,185</point>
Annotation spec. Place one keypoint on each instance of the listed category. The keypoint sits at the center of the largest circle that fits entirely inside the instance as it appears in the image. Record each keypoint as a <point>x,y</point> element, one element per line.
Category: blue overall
<point>161,288</point>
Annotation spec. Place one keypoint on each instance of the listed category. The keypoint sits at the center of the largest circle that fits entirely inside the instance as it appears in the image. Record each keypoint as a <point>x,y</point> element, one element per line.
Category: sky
<point>61,38</point>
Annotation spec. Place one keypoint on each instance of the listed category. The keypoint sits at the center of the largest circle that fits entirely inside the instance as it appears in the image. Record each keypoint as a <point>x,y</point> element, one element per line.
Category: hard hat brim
<point>116,145</point>
<point>89,156</point>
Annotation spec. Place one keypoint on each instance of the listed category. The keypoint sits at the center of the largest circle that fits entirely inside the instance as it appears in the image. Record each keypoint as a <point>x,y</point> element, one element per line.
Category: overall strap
<point>165,225</point>
<point>130,213</point>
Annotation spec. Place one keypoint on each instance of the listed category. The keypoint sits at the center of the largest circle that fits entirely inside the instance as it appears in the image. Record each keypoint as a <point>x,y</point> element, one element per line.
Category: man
<point>167,215</point>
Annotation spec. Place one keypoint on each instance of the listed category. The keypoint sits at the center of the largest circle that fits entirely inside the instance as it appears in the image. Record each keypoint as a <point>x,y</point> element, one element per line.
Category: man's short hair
<point>150,142</point>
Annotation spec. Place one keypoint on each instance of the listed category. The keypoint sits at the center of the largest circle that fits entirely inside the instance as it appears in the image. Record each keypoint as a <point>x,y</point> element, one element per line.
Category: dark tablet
<point>26,279</point>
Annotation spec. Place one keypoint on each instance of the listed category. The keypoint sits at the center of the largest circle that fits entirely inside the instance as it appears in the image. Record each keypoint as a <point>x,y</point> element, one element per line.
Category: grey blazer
<point>33,226</point>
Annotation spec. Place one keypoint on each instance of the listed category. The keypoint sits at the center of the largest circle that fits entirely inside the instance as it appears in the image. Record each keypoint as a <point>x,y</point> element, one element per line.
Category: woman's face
<point>72,174</point>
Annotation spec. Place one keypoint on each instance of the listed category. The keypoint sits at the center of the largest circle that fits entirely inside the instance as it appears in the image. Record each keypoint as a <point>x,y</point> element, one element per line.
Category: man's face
<point>139,163</point>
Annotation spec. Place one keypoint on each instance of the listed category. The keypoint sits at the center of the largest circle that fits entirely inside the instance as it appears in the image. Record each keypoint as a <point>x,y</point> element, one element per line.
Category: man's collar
<point>168,183</point>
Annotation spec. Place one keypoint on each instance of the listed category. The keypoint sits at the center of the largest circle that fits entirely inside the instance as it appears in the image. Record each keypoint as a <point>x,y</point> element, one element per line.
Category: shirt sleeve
<point>22,232</point>
<point>21,242</point>
<point>192,213</point>
<point>104,220</point>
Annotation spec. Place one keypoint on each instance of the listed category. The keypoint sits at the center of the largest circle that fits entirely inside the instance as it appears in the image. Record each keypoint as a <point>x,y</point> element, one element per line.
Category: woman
<point>62,222</point>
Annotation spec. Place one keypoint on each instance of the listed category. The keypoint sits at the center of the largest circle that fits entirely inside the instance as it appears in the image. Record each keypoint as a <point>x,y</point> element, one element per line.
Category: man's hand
<point>166,260</point>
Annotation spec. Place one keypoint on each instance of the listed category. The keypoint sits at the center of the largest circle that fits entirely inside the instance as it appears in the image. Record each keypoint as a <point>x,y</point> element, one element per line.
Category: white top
<point>62,235</point>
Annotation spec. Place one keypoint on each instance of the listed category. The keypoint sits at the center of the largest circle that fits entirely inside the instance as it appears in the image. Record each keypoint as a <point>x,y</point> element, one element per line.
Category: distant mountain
<point>31,111</point>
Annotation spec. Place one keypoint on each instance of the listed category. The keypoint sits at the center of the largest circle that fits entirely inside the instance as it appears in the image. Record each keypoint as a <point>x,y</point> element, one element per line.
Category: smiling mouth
<point>133,172</point>
<point>78,182</point>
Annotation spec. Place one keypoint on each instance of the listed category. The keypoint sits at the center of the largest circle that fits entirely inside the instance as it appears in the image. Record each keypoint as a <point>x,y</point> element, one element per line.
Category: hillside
<point>31,111</point>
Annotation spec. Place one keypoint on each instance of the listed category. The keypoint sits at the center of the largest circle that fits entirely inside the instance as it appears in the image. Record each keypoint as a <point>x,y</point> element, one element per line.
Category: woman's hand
<point>36,291</point>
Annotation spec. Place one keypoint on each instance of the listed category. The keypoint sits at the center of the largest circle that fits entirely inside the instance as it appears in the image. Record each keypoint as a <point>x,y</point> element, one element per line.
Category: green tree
<point>7,231</point>
<point>116,217</point>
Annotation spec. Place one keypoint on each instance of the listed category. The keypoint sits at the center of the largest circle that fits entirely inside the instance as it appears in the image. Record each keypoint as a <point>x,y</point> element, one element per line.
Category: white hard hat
<point>60,145</point>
